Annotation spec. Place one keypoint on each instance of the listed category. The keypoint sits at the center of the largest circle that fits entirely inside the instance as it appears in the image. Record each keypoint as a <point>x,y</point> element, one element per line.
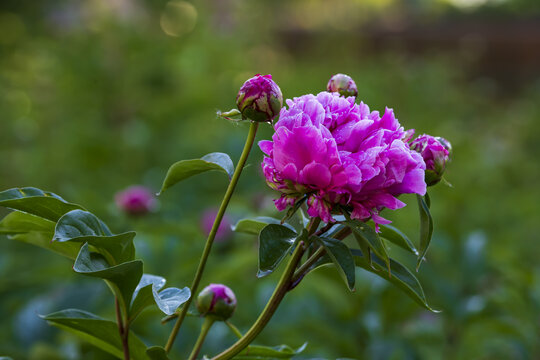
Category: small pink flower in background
<point>224,229</point>
<point>136,200</point>
<point>436,152</point>
<point>342,84</point>
<point>216,300</point>
<point>260,99</point>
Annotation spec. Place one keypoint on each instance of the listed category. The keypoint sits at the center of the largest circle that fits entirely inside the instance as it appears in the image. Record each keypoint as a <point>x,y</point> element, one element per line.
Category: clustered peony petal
<point>337,152</point>
<point>435,151</point>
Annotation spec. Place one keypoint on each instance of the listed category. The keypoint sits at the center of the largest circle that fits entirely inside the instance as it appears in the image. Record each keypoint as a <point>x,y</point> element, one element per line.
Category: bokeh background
<point>97,95</point>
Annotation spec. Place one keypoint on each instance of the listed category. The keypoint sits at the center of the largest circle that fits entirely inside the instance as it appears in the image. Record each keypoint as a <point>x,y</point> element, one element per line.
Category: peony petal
<point>316,175</point>
<point>266,147</point>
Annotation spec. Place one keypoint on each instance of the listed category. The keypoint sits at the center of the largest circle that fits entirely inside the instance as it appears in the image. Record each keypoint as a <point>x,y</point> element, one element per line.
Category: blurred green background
<point>97,95</point>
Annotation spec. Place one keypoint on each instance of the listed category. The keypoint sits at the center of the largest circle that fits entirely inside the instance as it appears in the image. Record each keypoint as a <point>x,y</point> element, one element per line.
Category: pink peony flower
<point>260,98</point>
<point>136,200</point>
<point>337,152</point>
<point>224,229</point>
<point>435,151</point>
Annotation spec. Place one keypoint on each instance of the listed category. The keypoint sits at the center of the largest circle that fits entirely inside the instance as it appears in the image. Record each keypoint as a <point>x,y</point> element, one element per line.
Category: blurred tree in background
<point>98,95</point>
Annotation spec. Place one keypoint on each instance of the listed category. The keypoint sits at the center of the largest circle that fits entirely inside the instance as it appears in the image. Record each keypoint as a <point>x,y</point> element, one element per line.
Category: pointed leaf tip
<point>184,169</point>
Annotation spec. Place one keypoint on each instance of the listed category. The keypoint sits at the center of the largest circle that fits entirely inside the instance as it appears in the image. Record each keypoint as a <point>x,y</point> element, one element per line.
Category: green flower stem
<point>234,329</point>
<point>206,252</point>
<point>269,310</point>
<point>207,324</point>
<point>305,267</point>
<point>309,262</point>
<point>279,293</point>
<point>122,329</point>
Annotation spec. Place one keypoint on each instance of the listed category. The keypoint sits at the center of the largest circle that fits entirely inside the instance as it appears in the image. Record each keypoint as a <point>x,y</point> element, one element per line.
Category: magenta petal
<point>290,172</point>
<point>266,146</point>
<point>316,175</point>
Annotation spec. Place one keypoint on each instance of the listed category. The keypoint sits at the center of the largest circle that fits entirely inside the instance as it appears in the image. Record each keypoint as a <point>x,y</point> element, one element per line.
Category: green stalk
<point>281,290</point>
<point>269,310</point>
<point>234,329</point>
<point>123,329</point>
<point>206,252</point>
<point>305,267</point>
<point>207,324</point>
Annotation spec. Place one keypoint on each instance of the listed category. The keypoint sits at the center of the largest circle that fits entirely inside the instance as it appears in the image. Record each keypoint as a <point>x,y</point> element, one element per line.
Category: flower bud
<point>342,84</point>
<point>216,300</point>
<point>446,144</point>
<point>136,200</point>
<point>260,99</point>
<point>435,152</point>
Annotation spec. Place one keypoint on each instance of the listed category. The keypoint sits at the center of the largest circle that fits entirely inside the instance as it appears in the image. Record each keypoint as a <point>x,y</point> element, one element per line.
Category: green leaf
<point>122,279</point>
<point>83,226</point>
<point>97,331</point>
<point>426,228</point>
<point>170,299</point>
<point>184,169</point>
<point>17,222</point>
<point>274,243</point>
<point>36,202</point>
<point>341,256</point>
<point>143,295</point>
<point>334,230</point>
<point>395,236</point>
<point>401,277</point>
<point>157,353</point>
<point>34,230</point>
<point>148,292</point>
<point>265,352</point>
<point>254,226</point>
<point>366,236</point>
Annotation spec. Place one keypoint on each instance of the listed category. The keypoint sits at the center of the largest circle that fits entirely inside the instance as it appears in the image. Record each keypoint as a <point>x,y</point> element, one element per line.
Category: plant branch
<point>283,286</point>
<point>305,267</point>
<point>206,252</point>
<point>234,329</point>
<point>207,324</point>
<point>269,310</point>
<point>123,330</point>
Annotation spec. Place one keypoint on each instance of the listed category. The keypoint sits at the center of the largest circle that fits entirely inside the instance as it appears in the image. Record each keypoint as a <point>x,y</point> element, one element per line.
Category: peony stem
<point>309,262</point>
<point>279,293</point>
<point>269,310</point>
<point>122,329</point>
<point>206,252</point>
<point>305,267</point>
<point>234,329</point>
<point>207,324</point>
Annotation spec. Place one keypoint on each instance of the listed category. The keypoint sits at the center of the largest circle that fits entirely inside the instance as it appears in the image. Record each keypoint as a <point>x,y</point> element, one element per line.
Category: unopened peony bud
<point>446,144</point>
<point>342,84</point>
<point>435,152</point>
<point>216,300</point>
<point>136,200</point>
<point>260,99</point>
